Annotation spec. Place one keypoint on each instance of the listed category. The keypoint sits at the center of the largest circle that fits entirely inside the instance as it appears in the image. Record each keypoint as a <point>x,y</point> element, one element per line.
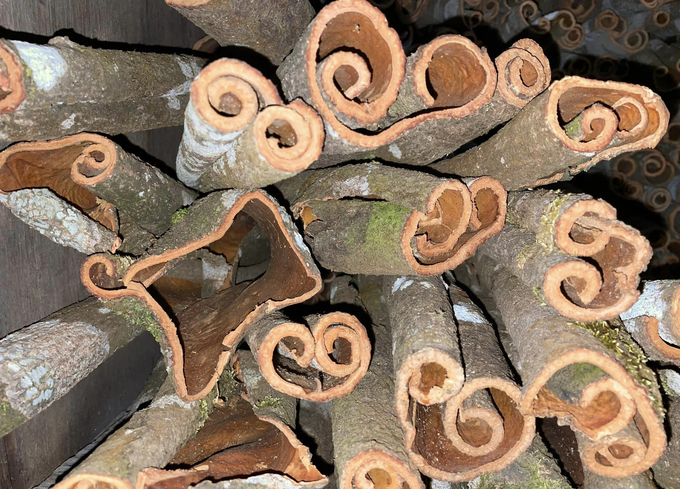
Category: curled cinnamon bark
<point>270,27</point>
<point>239,134</point>
<point>654,320</point>
<point>357,221</point>
<point>318,362</point>
<point>97,177</point>
<point>198,335</point>
<point>590,375</point>
<point>452,434</point>
<point>350,66</point>
<point>574,124</point>
<point>63,88</point>
<point>573,252</point>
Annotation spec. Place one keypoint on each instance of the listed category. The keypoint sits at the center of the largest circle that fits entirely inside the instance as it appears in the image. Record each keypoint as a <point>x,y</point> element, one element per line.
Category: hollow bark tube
<point>150,439</point>
<point>63,88</point>
<point>296,359</point>
<point>42,362</point>
<point>654,320</point>
<point>356,221</point>
<point>269,27</point>
<point>209,328</point>
<point>569,372</point>
<point>600,121</point>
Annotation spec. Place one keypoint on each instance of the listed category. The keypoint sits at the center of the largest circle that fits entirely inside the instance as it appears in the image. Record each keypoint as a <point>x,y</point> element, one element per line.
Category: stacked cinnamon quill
<point>412,315</point>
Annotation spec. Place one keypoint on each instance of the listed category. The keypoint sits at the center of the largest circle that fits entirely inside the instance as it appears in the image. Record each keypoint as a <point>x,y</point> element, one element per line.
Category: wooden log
<point>573,125</point>
<point>414,111</point>
<point>367,438</point>
<point>574,254</point>
<point>318,360</point>
<point>654,320</point>
<point>198,336</point>
<point>93,173</point>
<point>356,221</point>
<point>64,88</point>
<point>151,438</point>
<point>250,434</point>
<point>269,27</point>
<point>590,375</point>
<point>239,134</point>
<point>666,470</point>
<point>42,362</point>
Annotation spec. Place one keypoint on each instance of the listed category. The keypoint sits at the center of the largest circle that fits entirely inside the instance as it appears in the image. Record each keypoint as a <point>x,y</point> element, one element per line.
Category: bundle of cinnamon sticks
<point>356,279</point>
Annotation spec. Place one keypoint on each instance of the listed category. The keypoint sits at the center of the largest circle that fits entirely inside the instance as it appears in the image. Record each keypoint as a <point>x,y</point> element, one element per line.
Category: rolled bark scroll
<point>318,362</point>
<point>377,104</point>
<point>239,134</point>
<point>247,435</point>
<point>95,175</point>
<point>590,375</point>
<point>573,125</point>
<point>452,434</point>
<point>270,27</point>
<point>357,221</point>
<point>197,335</point>
<point>44,361</point>
<point>573,252</point>
<point>367,438</point>
<point>64,88</point>
<point>151,438</point>
<point>654,320</point>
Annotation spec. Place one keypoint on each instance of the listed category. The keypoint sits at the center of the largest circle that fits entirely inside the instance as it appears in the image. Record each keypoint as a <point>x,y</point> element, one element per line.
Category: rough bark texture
<point>535,148</point>
<point>357,221</point>
<point>590,375</point>
<point>42,362</point>
<point>150,439</point>
<point>270,27</point>
<point>666,470</point>
<point>59,221</point>
<point>296,358</point>
<point>198,335</point>
<point>387,94</point>
<point>63,88</point>
<point>239,134</point>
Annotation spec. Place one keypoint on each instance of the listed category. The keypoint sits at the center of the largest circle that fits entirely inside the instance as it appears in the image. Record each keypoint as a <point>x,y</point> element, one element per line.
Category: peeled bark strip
<point>573,125</point>
<point>93,173</point>
<point>590,375</point>
<point>151,438</point>
<point>573,252</point>
<point>357,221</point>
<point>319,361</point>
<point>239,134</point>
<point>654,320</point>
<point>198,335</point>
<point>62,88</point>
<point>42,362</point>
<point>377,104</point>
<point>270,27</point>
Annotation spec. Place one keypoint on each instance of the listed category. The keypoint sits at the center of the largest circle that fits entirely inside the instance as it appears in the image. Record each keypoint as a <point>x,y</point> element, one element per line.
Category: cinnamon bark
<point>239,134</point>
<point>386,107</point>
<point>93,173</point>
<point>42,362</point>
<point>197,335</point>
<point>269,27</point>
<point>319,361</point>
<point>551,241</point>
<point>590,375</point>
<point>357,221</point>
<point>64,88</point>
<point>573,125</point>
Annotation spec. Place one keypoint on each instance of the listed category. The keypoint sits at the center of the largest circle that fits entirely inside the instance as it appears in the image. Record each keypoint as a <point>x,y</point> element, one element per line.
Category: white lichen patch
<point>401,283</point>
<point>358,185</point>
<point>394,149</point>
<point>468,313</point>
<point>68,123</point>
<point>672,380</point>
<point>46,64</point>
<point>171,400</point>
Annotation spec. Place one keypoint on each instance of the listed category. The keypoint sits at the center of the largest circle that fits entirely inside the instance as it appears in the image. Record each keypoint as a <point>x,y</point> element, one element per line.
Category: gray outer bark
<point>262,481</point>
<point>656,301</point>
<point>270,27</point>
<point>666,470</point>
<point>59,221</point>
<point>72,88</point>
<point>42,362</point>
